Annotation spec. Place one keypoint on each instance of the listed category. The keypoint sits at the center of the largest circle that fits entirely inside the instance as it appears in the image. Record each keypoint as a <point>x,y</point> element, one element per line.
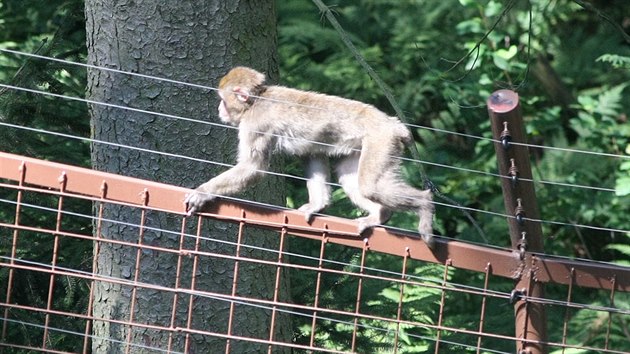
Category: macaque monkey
<point>316,127</point>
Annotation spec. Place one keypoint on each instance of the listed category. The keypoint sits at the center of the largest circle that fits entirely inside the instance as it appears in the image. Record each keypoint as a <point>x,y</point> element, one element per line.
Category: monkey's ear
<point>241,94</point>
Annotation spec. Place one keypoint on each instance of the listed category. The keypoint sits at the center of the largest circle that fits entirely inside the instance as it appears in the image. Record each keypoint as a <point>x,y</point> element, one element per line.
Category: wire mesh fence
<point>72,282</point>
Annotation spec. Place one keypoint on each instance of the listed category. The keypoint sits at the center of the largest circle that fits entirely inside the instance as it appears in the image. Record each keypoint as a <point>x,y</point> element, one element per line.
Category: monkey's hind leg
<point>380,181</point>
<point>348,178</point>
<point>318,174</point>
<point>396,194</point>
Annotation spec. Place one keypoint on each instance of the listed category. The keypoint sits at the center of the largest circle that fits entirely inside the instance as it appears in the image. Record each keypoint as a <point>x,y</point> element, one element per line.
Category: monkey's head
<point>236,89</point>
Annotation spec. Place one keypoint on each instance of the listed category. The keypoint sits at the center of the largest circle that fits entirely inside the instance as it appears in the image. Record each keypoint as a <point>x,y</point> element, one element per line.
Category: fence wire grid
<point>153,290</point>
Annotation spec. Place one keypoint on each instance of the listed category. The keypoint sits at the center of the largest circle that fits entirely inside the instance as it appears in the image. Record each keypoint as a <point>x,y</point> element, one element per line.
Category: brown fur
<point>316,127</point>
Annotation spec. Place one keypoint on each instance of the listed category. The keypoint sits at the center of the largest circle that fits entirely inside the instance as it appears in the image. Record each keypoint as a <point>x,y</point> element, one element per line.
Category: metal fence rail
<point>24,176</point>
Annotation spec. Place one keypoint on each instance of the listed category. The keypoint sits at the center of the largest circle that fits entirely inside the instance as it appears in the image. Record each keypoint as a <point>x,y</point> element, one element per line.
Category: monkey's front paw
<point>366,222</point>
<point>309,209</point>
<point>196,201</point>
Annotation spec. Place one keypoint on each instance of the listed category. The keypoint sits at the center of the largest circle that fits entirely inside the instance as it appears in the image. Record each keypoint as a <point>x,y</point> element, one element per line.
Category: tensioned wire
<point>227,298</point>
<point>446,286</point>
<point>298,178</point>
<point>227,126</point>
<point>111,105</point>
<point>211,88</point>
<point>481,291</point>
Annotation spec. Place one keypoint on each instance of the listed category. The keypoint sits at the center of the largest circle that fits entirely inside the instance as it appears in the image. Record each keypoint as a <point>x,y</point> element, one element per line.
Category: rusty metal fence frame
<point>26,175</point>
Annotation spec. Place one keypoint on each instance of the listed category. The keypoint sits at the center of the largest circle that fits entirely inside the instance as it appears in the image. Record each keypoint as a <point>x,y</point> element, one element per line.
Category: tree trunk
<point>194,41</point>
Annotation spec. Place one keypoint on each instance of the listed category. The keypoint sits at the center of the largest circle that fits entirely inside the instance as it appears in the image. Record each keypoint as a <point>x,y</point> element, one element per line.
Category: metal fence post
<point>520,203</point>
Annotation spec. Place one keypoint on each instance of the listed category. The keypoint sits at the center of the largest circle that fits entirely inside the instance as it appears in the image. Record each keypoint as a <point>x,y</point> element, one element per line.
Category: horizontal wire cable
<point>211,88</point>
<point>492,174</point>
<point>483,292</point>
<point>491,213</point>
<point>246,303</point>
<point>544,147</point>
<point>228,298</point>
<point>448,285</point>
<point>227,126</point>
<point>81,334</point>
<point>285,102</point>
<point>93,218</point>
<point>496,141</point>
<point>103,68</point>
<point>38,130</point>
<point>252,247</point>
<point>577,305</point>
<point>547,301</point>
<point>137,110</point>
<point>560,223</point>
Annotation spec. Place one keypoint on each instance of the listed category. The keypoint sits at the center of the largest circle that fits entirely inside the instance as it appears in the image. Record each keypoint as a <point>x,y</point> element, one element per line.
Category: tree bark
<point>557,92</point>
<point>193,41</point>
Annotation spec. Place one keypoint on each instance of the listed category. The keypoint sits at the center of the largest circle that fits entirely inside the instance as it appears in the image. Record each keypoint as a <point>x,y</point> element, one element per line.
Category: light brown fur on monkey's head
<point>243,77</point>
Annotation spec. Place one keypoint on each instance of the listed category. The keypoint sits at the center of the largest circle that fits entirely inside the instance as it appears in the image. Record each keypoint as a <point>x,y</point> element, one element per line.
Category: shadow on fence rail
<point>52,324</point>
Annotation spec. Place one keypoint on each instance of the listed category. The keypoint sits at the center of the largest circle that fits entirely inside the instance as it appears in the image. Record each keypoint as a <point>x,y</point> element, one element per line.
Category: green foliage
<point>378,298</point>
<point>400,39</point>
<point>590,327</point>
<point>442,69</point>
<point>58,30</point>
<point>623,247</point>
<point>622,186</point>
<point>617,61</point>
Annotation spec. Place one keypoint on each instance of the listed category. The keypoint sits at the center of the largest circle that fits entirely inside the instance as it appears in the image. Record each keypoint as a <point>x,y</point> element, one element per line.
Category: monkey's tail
<point>428,184</point>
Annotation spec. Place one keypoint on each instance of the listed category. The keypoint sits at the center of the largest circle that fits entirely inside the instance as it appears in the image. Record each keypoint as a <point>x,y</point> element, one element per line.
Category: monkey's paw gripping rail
<point>43,322</point>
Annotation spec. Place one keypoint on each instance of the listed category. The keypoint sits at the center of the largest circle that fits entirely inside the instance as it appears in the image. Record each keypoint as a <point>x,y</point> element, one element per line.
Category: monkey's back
<point>313,123</point>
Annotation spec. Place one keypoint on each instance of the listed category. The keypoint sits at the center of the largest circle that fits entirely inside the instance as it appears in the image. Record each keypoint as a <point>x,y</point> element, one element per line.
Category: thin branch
<point>21,68</point>
<point>477,46</point>
<point>604,16</point>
